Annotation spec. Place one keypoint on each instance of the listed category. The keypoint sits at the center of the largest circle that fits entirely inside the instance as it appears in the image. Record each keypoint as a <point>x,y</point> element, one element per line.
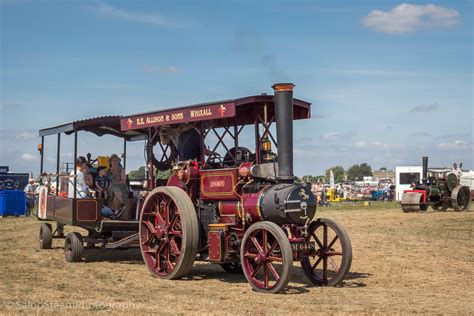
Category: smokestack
<point>284,119</point>
<point>425,168</point>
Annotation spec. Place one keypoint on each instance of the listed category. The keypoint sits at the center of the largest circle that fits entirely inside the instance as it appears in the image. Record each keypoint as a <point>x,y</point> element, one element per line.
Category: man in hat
<point>30,191</point>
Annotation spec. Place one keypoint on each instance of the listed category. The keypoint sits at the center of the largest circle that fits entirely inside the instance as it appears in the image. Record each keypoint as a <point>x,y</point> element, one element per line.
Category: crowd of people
<point>350,191</point>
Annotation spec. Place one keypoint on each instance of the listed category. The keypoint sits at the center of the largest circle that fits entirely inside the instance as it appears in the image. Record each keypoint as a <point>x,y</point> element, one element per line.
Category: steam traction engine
<point>442,191</point>
<point>244,210</point>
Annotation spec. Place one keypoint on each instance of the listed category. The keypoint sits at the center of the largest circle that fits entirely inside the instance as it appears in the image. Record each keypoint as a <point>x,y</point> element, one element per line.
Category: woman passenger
<point>118,188</point>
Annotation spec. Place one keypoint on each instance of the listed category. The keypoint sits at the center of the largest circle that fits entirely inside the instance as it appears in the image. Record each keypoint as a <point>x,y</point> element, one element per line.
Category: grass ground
<point>402,263</point>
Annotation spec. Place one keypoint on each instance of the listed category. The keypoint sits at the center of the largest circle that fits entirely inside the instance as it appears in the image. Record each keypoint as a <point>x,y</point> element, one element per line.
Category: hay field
<point>403,263</point>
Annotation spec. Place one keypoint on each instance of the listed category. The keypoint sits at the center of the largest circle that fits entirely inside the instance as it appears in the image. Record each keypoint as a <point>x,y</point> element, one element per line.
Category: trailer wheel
<point>330,263</point>
<point>232,267</point>
<point>73,247</point>
<point>169,232</point>
<point>267,258</point>
<point>45,236</point>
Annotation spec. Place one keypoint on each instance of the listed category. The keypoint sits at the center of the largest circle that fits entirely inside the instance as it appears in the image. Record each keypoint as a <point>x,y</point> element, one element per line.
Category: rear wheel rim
<point>161,235</point>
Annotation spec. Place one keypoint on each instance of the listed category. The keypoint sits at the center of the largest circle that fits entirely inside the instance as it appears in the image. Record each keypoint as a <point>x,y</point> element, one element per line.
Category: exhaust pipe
<point>425,168</point>
<point>284,119</point>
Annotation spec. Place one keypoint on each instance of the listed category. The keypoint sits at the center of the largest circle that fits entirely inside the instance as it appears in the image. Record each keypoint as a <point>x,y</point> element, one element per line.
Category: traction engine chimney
<point>425,168</point>
<point>284,120</point>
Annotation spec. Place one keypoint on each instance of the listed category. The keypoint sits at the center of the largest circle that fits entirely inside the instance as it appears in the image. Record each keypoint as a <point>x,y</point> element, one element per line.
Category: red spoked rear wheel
<point>332,259</point>
<point>267,258</point>
<point>168,232</point>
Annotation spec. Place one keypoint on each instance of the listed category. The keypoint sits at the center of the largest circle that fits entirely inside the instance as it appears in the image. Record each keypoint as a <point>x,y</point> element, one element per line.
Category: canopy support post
<point>42,156</point>
<point>125,154</point>
<point>58,156</point>
<point>75,168</point>
<point>257,137</point>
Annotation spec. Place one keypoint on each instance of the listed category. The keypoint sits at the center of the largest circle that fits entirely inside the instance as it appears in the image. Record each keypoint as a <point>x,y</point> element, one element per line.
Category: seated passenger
<point>82,191</point>
<point>118,189</point>
<point>88,177</point>
<point>102,183</point>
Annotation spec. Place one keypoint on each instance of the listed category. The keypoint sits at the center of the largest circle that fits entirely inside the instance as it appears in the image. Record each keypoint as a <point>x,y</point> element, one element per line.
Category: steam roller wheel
<point>267,258</point>
<point>45,236</point>
<point>461,198</point>
<point>168,232</point>
<point>332,259</point>
<point>407,202</point>
<point>73,247</point>
<point>413,202</point>
<point>451,181</point>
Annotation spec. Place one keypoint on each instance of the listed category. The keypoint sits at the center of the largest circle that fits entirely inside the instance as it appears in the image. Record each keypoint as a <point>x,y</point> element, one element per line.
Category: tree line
<point>356,172</point>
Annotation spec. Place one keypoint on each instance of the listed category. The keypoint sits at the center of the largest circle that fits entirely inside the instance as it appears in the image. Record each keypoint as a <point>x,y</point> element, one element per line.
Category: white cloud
<point>364,144</point>
<point>108,10</point>
<point>377,145</point>
<point>29,157</point>
<point>333,136</point>
<point>407,18</point>
<point>457,144</point>
<point>26,135</point>
<point>152,69</point>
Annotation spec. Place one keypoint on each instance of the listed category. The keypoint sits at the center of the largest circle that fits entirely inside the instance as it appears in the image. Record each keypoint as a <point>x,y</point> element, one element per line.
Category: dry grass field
<point>403,263</point>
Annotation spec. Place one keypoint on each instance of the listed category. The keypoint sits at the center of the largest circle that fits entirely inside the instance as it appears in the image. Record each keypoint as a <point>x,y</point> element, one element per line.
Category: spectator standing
<point>30,191</point>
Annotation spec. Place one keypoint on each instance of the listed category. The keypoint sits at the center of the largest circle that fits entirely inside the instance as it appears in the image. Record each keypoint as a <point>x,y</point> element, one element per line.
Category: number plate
<point>303,246</point>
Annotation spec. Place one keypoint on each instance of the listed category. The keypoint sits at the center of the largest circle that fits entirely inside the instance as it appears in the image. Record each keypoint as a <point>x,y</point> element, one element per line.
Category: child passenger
<point>102,183</point>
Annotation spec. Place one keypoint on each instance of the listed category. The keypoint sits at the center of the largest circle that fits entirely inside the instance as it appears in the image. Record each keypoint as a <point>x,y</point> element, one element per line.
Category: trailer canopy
<point>103,125</point>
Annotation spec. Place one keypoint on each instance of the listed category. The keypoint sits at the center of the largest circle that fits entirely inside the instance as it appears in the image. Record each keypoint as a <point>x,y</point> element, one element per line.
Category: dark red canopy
<point>235,111</point>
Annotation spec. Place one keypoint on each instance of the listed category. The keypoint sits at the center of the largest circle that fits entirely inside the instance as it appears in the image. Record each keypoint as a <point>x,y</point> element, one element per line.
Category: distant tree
<point>321,178</point>
<point>313,179</point>
<point>137,174</point>
<point>308,179</point>
<point>383,169</point>
<point>338,173</point>
<point>358,172</point>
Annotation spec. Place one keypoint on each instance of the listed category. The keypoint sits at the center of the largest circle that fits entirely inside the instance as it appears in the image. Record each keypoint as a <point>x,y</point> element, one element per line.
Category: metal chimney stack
<point>284,120</point>
<point>425,168</point>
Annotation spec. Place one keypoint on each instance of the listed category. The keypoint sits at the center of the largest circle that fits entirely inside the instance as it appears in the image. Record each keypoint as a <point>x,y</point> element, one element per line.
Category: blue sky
<point>389,81</point>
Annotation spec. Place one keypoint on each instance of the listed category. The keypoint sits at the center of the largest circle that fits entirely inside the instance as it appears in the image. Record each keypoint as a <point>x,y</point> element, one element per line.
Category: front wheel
<point>332,259</point>
<point>267,258</point>
<point>73,247</point>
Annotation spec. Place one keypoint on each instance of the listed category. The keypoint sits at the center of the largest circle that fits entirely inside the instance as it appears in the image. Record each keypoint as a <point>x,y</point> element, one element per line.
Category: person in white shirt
<point>457,171</point>
<point>82,191</point>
